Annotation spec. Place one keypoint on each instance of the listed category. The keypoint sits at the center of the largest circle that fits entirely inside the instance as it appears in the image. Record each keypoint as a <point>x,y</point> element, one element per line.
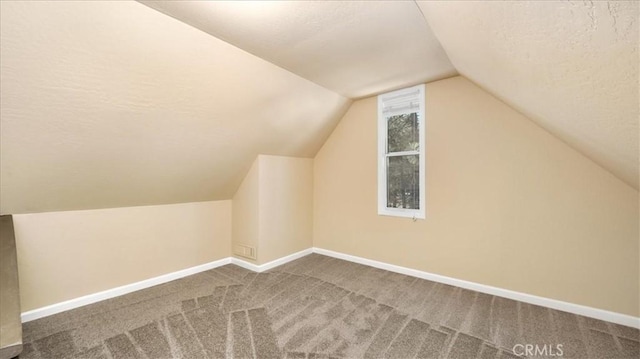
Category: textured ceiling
<point>110,104</point>
<point>570,66</point>
<point>354,48</point>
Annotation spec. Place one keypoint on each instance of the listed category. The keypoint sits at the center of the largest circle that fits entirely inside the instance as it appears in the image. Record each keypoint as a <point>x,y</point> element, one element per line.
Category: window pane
<point>403,182</point>
<point>403,133</point>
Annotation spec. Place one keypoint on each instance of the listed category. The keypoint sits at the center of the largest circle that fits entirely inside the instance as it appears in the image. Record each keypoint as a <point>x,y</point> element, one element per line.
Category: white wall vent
<point>245,251</point>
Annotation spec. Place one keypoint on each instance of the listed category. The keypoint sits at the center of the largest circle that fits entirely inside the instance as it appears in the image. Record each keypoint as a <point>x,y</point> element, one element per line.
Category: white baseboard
<point>118,291</point>
<point>273,263</point>
<point>601,314</point>
<point>125,289</point>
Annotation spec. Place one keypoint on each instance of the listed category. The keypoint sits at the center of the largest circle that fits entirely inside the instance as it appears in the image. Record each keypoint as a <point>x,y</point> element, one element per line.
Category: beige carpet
<point>317,307</point>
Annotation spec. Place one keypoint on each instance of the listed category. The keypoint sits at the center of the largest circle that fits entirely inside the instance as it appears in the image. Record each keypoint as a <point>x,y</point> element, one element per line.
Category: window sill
<point>403,213</point>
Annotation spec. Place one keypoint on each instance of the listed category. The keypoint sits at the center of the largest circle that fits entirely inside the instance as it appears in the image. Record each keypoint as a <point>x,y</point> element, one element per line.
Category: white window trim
<point>382,156</point>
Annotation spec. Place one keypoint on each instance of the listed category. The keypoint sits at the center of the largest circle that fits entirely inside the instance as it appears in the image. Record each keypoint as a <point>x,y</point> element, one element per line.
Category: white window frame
<point>419,92</point>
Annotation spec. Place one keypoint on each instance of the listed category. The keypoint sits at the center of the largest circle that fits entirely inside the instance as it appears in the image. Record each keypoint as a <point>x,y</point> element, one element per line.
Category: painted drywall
<point>286,206</point>
<point>273,208</point>
<point>508,204</point>
<point>354,48</point>
<point>246,210</point>
<point>66,255</point>
<point>110,104</point>
<point>571,66</point>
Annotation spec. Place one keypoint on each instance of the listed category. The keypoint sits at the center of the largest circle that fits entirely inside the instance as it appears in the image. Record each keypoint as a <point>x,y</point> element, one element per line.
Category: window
<point>401,169</point>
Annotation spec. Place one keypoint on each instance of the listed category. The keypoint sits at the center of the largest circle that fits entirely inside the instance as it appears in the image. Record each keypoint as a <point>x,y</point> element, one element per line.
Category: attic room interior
<point>319,179</point>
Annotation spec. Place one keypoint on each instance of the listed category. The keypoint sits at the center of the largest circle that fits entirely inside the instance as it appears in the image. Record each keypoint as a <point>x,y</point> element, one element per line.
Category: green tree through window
<point>403,170</point>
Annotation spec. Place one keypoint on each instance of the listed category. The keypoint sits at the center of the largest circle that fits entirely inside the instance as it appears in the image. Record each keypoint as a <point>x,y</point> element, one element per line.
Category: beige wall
<point>65,255</point>
<point>508,204</point>
<point>286,206</point>
<point>246,213</point>
<point>273,208</point>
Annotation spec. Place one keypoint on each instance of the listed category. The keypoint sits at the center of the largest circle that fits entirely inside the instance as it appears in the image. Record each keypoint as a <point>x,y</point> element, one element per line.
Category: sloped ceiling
<point>354,48</point>
<point>111,104</point>
<point>570,66</point>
